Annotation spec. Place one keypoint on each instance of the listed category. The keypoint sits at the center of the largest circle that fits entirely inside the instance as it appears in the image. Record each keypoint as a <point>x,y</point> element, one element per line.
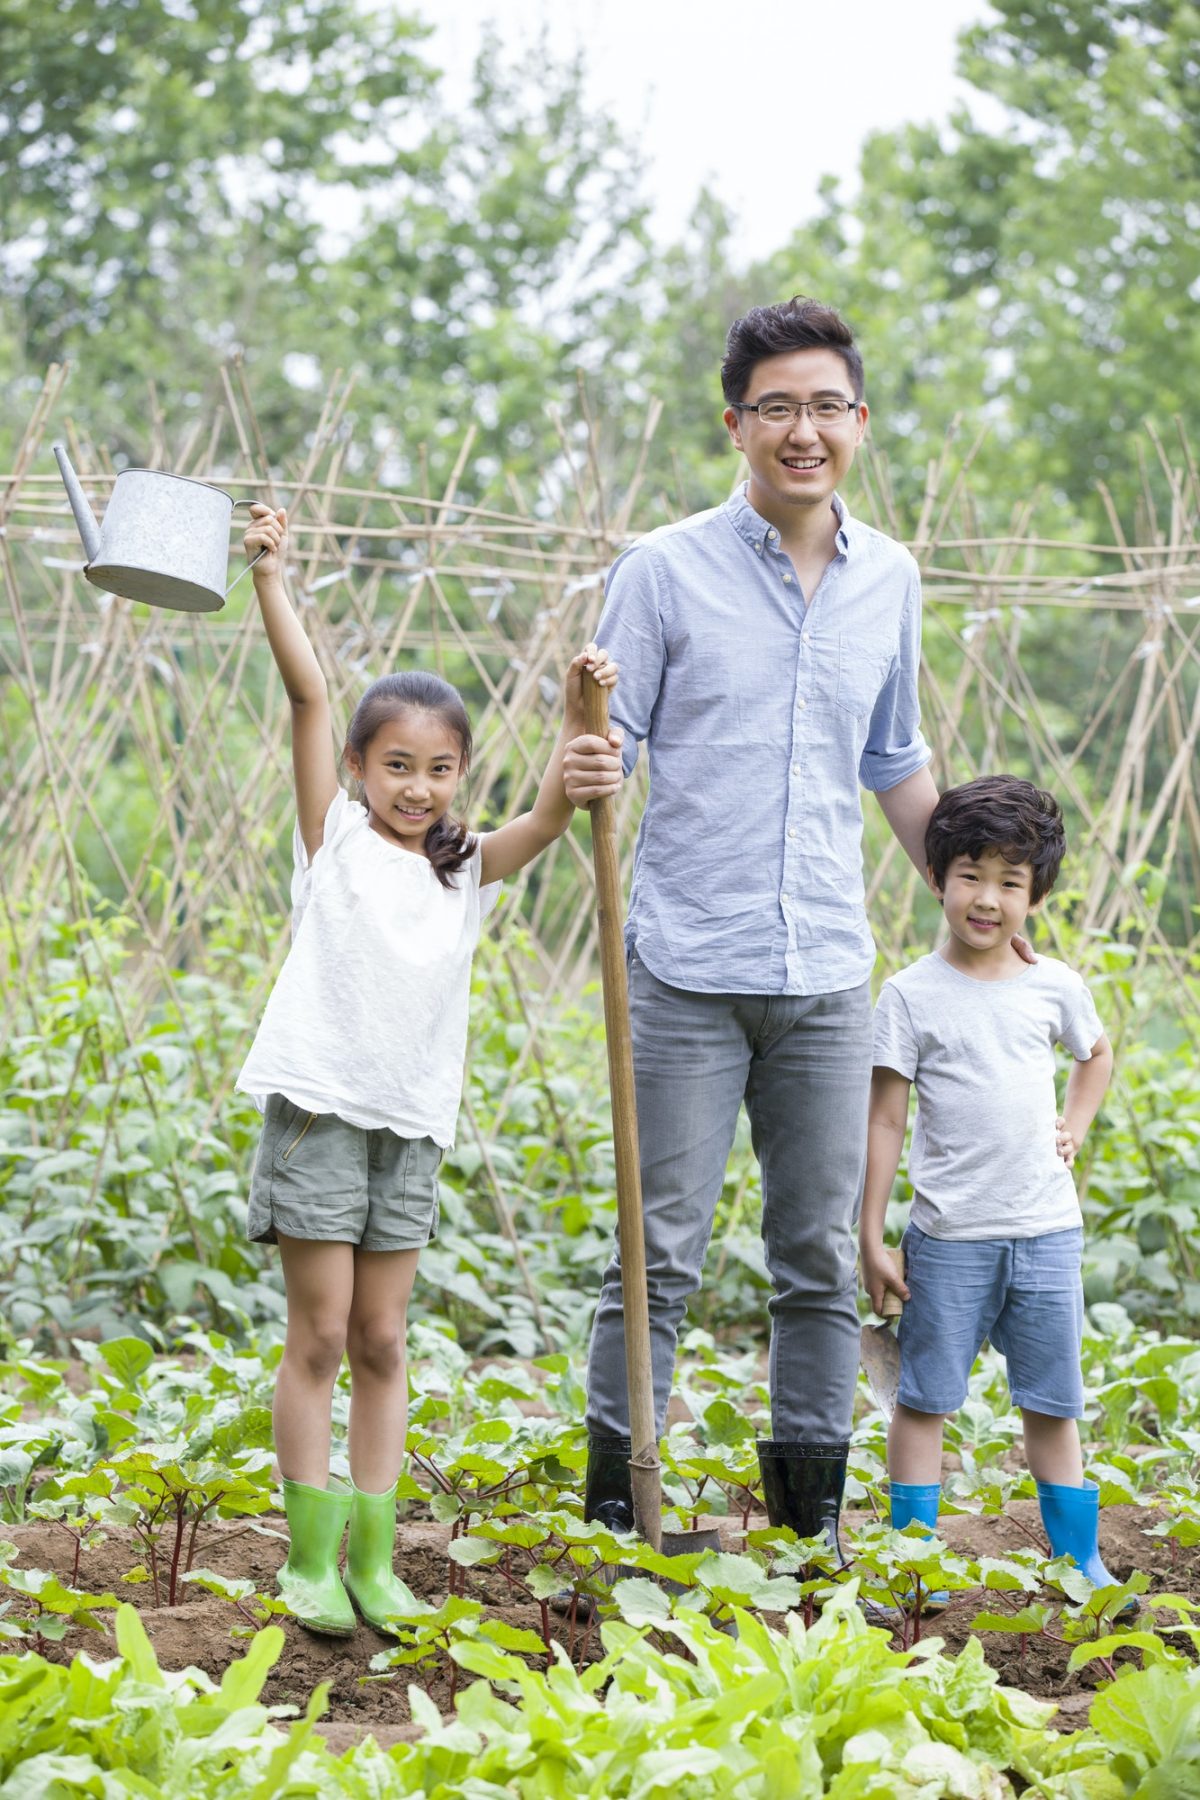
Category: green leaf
<point>128,1358</point>
<point>1102,1649</point>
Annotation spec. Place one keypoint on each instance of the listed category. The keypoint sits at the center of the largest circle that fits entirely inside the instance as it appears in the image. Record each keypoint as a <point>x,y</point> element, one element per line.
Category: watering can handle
<point>253,559</point>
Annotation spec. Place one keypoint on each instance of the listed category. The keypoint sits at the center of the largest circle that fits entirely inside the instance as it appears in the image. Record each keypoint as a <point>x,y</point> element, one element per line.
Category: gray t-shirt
<point>983,1162</point>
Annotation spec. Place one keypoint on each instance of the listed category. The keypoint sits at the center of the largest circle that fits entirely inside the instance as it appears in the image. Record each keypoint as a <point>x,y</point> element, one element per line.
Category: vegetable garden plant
<point>138,1506</point>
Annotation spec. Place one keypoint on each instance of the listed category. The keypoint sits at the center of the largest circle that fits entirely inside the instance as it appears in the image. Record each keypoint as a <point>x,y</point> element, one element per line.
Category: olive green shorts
<point>315,1176</point>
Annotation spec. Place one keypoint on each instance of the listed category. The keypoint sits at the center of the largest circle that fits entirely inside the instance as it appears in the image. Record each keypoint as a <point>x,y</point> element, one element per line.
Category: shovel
<point>645,1469</point>
<point>879,1352</point>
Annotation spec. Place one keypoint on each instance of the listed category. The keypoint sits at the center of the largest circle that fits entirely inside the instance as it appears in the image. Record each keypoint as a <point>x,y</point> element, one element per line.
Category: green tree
<point>282,180</point>
<point>164,168</point>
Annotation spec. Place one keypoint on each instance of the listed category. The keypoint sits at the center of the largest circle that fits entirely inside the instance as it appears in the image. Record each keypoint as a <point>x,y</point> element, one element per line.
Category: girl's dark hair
<point>448,843</point>
<point>1004,814</point>
<point>795,324</point>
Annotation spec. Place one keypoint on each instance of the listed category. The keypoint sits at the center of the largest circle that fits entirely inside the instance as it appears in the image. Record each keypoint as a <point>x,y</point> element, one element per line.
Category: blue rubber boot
<point>1071,1516</point>
<point>914,1503</point>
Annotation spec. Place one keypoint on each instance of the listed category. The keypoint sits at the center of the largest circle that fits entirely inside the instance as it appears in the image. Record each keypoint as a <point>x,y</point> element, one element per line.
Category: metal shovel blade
<point>879,1354</point>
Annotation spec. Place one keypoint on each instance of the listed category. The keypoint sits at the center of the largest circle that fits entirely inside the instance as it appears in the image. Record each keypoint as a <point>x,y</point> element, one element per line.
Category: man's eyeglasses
<point>787,412</point>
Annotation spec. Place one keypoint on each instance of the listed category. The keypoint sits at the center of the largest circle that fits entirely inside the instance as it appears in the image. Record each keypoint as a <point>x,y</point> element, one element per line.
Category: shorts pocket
<point>294,1127</point>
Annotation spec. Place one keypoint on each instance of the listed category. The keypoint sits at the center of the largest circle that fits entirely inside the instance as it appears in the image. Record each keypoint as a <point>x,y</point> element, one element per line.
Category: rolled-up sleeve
<point>895,748</point>
<point>631,630</point>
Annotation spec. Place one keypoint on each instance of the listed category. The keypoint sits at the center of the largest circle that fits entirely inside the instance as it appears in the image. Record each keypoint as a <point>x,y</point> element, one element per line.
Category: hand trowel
<point>879,1352</point>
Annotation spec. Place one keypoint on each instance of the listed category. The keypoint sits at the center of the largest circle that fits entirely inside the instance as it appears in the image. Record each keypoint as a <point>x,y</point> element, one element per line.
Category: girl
<point>358,1068</point>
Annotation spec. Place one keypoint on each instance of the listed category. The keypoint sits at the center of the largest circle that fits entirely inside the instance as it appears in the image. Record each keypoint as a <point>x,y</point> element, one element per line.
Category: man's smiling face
<point>797,466</point>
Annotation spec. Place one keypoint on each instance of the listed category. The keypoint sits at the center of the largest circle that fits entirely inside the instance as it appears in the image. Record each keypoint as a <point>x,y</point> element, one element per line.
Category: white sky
<point>690,79</point>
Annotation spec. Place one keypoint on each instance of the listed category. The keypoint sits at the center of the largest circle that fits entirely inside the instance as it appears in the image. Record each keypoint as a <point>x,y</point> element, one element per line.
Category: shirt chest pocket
<point>863,668</point>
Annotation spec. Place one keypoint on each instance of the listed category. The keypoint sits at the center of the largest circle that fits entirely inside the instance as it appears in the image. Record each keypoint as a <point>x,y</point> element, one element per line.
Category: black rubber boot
<point>608,1499</point>
<point>802,1487</point>
<point>608,1492</point>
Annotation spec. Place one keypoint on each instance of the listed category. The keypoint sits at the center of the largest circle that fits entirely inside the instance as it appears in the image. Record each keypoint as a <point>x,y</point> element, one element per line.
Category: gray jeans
<point>803,1066</point>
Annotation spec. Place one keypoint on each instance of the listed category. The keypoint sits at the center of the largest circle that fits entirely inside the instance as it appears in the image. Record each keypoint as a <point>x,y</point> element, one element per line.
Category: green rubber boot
<point>309,1581</point>
<point>370,1579</point>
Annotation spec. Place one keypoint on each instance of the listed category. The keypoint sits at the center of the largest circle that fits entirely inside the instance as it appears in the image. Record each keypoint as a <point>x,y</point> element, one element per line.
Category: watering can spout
<point>85,518</point>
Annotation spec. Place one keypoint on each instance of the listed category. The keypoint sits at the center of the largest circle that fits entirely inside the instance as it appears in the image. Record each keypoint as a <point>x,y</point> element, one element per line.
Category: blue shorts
<point>1025,1294</point>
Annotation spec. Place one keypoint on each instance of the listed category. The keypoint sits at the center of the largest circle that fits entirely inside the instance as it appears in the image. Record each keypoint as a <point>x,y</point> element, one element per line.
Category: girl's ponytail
<point>448,843</point>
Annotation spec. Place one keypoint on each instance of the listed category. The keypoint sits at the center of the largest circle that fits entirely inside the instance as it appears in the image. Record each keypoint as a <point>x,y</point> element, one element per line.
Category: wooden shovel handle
<point>645,1470</point>
<point>893,1305</point>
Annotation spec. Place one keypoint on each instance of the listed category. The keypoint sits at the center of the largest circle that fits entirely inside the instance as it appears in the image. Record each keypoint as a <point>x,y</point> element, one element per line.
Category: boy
<point>994,1243</point>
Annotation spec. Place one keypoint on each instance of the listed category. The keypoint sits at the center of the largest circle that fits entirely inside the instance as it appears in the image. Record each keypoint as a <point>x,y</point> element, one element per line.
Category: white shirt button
<point>758,547</point>
<point>787,578</point>
<point>795,768</point>
<point>802,704</point>
<point>772,535</point>
<point>791,831</point>
<point>807,636</point>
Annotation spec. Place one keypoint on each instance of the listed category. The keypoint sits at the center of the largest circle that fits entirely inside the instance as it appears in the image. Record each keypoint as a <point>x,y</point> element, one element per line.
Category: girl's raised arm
<point>523,838</point>
<point>313,762</point>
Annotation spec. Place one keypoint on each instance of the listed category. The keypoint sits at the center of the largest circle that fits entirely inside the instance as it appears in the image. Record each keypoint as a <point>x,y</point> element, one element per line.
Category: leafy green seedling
<point>898,1570</point>
<point>79,1505</point>
<point>256,1608</point>
<point>165,1492</point>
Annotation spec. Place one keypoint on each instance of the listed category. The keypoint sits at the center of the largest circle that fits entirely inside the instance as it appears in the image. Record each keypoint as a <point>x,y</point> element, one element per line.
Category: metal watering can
<point>164,538</point>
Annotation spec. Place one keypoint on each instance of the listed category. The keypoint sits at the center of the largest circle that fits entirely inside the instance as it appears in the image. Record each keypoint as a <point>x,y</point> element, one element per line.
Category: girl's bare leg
<point>319,1279</point>
<point>1052,1449</point>
<point>383,1281</point>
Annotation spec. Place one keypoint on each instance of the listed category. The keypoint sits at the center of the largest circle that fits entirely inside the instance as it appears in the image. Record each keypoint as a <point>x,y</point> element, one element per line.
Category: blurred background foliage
<point>284,182</point>
<point>283,178</point>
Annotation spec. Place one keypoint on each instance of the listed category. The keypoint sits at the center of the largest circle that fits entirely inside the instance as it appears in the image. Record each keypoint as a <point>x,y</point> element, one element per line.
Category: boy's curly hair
<point>1002,813</point>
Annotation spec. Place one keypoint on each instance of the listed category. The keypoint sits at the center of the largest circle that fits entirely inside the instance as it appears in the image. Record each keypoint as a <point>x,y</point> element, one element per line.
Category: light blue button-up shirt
<point>761,715</point>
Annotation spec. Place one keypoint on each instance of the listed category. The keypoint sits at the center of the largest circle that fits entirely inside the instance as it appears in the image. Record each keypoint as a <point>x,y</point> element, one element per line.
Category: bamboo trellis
<point>155,744</point>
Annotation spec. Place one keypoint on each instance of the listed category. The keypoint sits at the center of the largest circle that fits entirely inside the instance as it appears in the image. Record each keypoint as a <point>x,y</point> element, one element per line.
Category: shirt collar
<point>757,532</point>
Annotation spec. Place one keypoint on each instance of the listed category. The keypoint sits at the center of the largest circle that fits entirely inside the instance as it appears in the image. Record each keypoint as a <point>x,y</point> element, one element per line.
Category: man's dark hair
<point>1004,814</point>
<point>795,324</point>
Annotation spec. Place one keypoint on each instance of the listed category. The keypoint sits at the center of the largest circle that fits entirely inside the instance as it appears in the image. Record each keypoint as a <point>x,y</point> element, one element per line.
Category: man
<point>769,651</point>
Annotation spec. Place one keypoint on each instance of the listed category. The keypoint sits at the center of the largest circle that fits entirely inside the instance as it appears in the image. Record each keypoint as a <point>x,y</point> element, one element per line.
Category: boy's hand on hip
<point>880,1276</point>
<point>1065,1143</point>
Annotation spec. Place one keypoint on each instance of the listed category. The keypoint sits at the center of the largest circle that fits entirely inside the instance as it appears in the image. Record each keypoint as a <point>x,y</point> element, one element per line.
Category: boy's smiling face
<point>986,900</point>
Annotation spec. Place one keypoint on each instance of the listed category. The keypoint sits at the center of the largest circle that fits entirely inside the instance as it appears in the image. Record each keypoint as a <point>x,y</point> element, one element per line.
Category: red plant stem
<point>176,1549</point>
<point>431,1468</point>
<point>191,1549</point>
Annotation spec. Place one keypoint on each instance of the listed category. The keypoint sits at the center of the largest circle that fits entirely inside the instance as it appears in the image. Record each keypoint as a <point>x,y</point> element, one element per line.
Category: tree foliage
<point>283,178</point>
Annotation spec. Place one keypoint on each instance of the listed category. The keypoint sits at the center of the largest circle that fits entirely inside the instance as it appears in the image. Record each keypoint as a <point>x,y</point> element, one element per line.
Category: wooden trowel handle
<point>893,1305</point>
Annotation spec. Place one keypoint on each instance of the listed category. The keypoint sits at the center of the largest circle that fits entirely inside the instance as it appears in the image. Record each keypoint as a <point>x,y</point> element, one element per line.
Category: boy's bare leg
<point>915,1447</point>
<point>1052,1449</point>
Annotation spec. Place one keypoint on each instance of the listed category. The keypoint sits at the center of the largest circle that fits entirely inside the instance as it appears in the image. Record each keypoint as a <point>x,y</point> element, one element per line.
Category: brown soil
<point>198,1631</point>
<point>1042,1669</point>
